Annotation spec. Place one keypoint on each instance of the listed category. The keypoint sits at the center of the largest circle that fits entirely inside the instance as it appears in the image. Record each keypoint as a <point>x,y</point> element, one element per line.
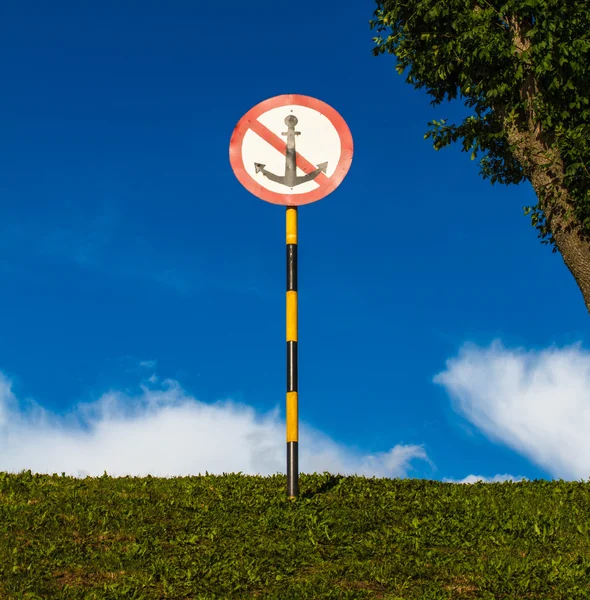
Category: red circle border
<point>346,150</point>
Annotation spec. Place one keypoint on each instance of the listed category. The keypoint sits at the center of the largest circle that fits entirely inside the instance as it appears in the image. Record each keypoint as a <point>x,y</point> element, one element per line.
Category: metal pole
<point>292,400</point>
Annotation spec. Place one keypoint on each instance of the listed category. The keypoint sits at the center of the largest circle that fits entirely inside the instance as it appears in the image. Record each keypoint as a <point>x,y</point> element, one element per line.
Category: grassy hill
<point>237,536</point>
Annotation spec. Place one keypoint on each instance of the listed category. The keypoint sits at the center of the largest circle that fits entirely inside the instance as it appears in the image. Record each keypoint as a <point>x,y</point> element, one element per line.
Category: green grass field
<point>237,536</point>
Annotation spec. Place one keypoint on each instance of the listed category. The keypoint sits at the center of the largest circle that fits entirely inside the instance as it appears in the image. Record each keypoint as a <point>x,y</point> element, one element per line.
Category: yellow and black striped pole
<point>321,123</point>
<point>292,407</point>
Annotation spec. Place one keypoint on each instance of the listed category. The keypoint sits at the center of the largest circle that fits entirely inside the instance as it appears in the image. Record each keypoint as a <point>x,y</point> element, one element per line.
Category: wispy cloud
<point>165,432</point>
<point>93,240</point>
<point>88,246</point>
<point>78,237</point>
<point>475,478</point>
<point>148,364</point>
<point>536,402</point>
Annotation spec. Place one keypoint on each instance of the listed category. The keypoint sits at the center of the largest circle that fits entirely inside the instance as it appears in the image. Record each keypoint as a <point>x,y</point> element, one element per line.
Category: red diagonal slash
<point>276,142</point>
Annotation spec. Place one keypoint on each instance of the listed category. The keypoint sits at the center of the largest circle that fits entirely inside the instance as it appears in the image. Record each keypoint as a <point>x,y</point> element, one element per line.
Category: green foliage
<point>236,536</point>
<point>466,49</point>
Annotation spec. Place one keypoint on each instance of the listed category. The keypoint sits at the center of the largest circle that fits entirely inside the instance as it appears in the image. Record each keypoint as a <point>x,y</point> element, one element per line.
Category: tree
<point>523,66</point>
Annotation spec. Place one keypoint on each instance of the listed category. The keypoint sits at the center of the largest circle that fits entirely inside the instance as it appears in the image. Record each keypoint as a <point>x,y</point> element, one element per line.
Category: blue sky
<point>142,298</point>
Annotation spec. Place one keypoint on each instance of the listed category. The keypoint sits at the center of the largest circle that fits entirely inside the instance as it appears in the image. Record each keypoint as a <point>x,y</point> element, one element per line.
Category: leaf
<point>453,51</point>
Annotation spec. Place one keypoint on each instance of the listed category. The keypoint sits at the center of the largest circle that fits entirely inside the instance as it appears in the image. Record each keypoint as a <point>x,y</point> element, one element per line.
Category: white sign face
<point>318,142</point>
<point>291,150</point>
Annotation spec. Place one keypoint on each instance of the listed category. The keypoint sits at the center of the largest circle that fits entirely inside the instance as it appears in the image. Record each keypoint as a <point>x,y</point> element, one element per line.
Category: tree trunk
<point>542,164</point>
<point>575,250</point>
<point>572,244</point>
<point>544,167</point>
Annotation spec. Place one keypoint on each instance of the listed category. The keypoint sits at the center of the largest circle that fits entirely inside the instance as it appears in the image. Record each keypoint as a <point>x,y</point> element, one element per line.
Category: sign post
<point>298,166</point>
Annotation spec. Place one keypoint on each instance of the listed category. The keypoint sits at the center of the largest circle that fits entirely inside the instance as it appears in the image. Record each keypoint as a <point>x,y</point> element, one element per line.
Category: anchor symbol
<point>290,178</point>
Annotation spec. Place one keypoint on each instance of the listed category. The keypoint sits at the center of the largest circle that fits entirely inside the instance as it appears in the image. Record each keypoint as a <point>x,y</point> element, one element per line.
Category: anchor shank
<point>290,164</point>
<point>291,156</point>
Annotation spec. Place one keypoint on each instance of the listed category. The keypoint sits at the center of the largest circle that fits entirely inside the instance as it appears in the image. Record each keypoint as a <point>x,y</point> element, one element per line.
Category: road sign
<point>291,150</point>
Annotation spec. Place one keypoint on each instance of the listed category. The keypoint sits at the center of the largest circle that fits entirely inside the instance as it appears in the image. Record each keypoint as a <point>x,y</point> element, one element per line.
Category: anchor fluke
<point>260,168</point>
<point>322,168</point>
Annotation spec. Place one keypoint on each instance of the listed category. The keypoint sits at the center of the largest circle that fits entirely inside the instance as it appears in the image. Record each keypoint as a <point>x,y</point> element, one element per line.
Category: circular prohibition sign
<point>291,150</point>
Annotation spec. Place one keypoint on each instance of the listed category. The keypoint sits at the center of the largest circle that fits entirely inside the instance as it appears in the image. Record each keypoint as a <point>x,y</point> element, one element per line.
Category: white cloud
<point>537,402</point>
<point>165,432</point>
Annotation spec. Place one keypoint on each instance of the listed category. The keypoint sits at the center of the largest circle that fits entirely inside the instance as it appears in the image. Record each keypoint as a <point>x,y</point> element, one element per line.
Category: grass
<point>237,536</point>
